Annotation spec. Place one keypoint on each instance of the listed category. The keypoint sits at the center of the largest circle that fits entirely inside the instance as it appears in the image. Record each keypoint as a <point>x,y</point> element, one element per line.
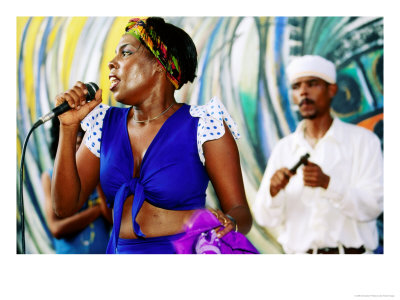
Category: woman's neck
<point>153,107</point>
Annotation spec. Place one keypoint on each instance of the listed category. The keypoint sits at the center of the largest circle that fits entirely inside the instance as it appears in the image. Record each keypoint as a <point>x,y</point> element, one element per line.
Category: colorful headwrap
<point>147,36</point>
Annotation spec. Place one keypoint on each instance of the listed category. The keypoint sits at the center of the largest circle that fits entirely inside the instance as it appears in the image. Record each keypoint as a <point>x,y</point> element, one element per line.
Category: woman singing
<point>154,158</point>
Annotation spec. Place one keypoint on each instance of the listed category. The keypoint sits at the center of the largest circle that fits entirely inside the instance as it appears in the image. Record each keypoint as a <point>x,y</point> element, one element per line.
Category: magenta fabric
<point>200,238</point>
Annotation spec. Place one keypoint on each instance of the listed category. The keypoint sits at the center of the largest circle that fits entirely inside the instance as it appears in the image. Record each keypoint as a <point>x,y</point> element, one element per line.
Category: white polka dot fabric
<point>211,124</point>
<point>93,124</point>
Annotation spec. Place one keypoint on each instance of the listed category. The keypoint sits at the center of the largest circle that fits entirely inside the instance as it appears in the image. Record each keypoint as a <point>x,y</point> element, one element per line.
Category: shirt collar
<point>334,133</point>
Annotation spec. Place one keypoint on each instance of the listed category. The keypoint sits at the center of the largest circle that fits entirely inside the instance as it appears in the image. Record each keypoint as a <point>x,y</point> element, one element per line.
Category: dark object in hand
<point>303,160</point>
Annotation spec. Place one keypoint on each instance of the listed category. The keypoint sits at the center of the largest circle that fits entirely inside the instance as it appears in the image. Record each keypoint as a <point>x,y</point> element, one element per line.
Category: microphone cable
<point>21,183</point>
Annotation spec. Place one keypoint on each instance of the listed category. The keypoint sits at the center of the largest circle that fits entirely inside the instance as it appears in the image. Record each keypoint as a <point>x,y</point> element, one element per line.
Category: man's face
<point>313,96</point>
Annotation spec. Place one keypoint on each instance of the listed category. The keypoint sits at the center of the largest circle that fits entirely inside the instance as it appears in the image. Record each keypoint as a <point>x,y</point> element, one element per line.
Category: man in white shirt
<point>330,205</point>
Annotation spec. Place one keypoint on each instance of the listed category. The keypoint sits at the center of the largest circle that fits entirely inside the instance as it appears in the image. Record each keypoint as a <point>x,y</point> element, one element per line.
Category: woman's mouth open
<point>114,81</point>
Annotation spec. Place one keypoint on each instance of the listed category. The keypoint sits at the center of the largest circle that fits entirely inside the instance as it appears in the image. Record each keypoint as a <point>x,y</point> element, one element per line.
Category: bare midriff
<point>153,221</point>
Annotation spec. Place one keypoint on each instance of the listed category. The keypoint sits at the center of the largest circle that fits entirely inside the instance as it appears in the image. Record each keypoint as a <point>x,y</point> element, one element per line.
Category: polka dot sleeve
<point>93,124</point>
<point>211,124</point>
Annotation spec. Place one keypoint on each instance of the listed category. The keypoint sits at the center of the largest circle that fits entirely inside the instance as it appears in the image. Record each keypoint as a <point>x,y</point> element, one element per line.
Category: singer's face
<point>132,71</point>
<point>313,96</point>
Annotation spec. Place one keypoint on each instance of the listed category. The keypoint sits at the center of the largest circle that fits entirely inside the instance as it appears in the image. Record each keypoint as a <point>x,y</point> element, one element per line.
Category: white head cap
<point>311,65</point>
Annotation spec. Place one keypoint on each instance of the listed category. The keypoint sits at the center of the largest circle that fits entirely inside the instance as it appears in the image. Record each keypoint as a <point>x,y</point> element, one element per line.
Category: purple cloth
<point>200,238</point>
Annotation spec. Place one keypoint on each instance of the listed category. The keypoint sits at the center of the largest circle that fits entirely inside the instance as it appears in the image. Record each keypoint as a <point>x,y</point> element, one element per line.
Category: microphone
<point>303,160</point>
<point>62,108</point>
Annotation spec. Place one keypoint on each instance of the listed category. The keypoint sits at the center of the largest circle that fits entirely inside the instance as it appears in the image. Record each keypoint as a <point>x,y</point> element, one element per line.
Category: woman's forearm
<point>65,188</point>
<point>71,225</point>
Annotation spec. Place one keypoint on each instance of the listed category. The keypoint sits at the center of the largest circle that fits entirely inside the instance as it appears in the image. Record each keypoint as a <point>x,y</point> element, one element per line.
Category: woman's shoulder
<point>212,108</point>
<point>92,124</point>
<point>212,116</point>
<point>94,116</point>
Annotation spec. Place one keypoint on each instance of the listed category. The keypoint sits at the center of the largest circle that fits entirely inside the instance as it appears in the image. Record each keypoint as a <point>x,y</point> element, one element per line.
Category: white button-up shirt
<point>342,215</point>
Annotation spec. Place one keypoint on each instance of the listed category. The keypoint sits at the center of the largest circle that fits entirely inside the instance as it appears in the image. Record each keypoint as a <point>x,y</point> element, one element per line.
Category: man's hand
<point>314,177</point>
<point>279,180</point>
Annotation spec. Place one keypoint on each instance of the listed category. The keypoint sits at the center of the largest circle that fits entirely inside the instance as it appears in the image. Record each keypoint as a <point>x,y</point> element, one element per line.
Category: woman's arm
<point>223,168</point>
<point>75,174</point>
<point>62,227</point>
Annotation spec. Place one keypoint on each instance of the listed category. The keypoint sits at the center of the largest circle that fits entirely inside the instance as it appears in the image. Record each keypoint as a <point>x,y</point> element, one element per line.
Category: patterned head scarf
<point>138,28</point>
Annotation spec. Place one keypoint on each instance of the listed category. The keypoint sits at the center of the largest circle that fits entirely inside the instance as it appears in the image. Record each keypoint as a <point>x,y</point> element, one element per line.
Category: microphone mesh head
<point>92,89</point>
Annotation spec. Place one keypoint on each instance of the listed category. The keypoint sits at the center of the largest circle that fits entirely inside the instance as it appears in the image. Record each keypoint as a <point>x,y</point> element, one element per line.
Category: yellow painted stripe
<point>114,35</point>
<point>19,148</point>
<point>21,23</point>
<point>70,40</point>
<point>32,38</point>
<point>54,33</point>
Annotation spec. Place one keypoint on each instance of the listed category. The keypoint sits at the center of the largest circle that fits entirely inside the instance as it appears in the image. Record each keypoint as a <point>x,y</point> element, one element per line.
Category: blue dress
<point>91,240</point>
<point>172,173</point>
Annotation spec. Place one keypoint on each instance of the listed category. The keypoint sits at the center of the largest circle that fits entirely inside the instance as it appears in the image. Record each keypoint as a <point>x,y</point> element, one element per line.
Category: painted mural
<point>242,60</point>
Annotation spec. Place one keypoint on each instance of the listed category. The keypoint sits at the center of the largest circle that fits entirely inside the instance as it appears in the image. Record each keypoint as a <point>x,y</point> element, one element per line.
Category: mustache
<point>306,101</point>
